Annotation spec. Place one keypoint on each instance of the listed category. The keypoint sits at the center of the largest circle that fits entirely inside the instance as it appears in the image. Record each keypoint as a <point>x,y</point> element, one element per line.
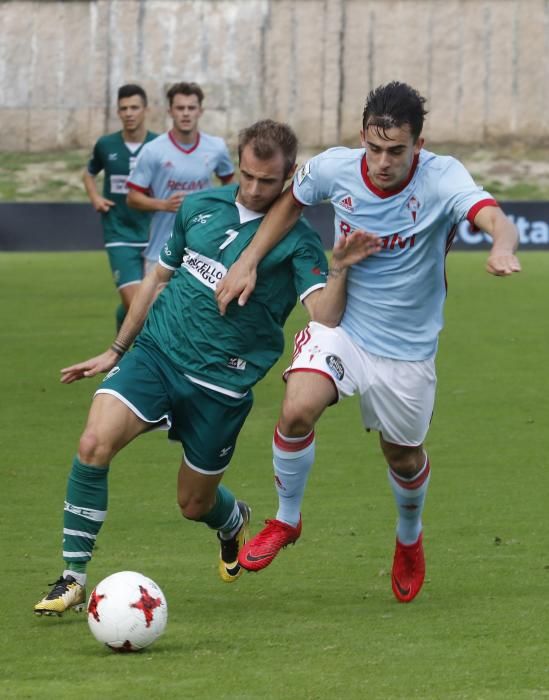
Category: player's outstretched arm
<point>327,305</point>
<point>502,260</point>
<point>133,323</point>
<point>241,278</point>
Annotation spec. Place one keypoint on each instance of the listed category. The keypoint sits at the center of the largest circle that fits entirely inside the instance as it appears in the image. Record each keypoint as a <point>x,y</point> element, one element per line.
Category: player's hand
<point>355,247</point>
<point>238,282</point>
<point>95,365</point>
<point>174,201</point>
<point>502,263</point>
<point>103,205</point>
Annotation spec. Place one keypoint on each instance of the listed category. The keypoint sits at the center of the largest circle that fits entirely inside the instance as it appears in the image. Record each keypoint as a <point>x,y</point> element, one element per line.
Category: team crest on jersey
<point>201,218</point>
<point>335,365</point>
<point>167,164</point>
<point>413,205</point>
<point>303,172</point>
<point>347,203</point>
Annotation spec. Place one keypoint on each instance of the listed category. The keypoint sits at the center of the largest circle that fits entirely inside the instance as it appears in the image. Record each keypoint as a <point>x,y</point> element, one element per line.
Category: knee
<point>193,506</point>
<point>93,450</point>
<point>296,419</point>
<point>405,461</point>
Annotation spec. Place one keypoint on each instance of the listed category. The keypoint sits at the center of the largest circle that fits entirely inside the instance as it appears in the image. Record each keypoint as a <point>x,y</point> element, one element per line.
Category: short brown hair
<point>185,89</point>
<point>266,138</point>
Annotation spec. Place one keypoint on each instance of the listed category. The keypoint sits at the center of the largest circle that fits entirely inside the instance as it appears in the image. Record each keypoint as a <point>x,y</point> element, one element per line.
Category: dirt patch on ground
<point>36,177</point>
<point>508,171</point>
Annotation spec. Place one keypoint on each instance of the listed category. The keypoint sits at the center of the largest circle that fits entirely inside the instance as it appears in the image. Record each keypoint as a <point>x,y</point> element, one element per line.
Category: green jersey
<point>121,225</point>
<point>229,353</point>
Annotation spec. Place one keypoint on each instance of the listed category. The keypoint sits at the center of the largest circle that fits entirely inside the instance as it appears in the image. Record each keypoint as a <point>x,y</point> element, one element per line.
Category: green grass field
<point>321,622</point>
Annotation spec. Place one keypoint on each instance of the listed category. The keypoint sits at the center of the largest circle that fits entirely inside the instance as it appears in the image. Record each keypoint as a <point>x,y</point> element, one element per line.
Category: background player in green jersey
<point>192,370</point>
<point>126,231</point>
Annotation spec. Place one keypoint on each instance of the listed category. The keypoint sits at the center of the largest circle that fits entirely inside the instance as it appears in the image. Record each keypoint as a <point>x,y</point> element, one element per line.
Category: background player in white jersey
<point>125,230</point>
<point>385,346</point>
<point>180,162</point>
<point>191,370</point>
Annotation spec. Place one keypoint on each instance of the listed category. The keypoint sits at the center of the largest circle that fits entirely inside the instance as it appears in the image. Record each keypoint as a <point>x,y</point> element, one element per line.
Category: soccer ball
<point>127,611</point>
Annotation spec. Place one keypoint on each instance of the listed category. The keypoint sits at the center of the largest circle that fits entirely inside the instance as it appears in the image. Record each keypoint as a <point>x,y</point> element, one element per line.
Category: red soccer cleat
<point>259,552</point>
<point>408,570</point>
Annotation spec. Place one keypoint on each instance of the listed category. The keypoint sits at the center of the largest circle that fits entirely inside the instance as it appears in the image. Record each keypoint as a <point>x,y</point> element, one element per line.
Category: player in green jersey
<point>191,370</point>
<point>126,231</point>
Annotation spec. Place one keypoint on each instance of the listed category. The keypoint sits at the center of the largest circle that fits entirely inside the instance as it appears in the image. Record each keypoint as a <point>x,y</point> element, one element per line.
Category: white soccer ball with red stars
<point>127,611</point>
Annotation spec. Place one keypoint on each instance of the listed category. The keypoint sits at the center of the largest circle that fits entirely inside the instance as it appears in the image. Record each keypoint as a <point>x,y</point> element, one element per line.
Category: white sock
<point>77,576</point>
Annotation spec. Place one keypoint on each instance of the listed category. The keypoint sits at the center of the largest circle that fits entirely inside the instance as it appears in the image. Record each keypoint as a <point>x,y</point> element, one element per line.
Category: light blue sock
<point>292,461</point>
<point>410,499</point>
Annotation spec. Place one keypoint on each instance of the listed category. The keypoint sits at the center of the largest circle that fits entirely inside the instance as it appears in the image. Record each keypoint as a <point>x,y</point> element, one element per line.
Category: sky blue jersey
<point>168,167</point>
<point>395,298</point>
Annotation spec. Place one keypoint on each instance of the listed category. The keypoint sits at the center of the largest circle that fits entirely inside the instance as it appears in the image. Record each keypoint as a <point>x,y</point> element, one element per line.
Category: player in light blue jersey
<point>384,348</point>
<point>179,162</point>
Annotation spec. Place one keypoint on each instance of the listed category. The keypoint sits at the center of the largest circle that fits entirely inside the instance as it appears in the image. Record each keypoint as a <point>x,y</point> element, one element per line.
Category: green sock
<point>120,315</point>
<point>84,513</point>
<point>225,514</point>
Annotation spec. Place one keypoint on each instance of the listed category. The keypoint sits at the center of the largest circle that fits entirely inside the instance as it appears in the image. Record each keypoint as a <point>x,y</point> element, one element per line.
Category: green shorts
<point>126,264</point>
<point>206,422</point>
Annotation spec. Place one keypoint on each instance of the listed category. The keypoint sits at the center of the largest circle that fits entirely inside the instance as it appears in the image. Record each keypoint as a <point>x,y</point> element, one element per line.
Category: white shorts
<point>396,397</point>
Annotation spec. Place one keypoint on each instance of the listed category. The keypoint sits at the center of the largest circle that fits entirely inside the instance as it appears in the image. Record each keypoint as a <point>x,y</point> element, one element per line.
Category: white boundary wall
<point>482,64</point>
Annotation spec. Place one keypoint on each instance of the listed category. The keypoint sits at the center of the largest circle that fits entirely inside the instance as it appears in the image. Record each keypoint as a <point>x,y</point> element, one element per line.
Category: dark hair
<point>267,137</point>
<point>185,89</point>
<point>130,90</point>
<point>394,105</point>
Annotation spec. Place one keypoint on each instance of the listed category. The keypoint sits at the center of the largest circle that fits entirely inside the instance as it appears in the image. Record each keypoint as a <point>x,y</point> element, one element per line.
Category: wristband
<point>118,348</point>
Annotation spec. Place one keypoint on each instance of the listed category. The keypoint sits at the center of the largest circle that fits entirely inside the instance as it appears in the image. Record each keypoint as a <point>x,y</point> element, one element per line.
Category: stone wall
<point>482,64</point>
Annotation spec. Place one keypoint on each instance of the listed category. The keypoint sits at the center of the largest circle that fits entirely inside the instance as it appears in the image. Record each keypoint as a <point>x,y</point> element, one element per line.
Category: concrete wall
<point>482,64</point>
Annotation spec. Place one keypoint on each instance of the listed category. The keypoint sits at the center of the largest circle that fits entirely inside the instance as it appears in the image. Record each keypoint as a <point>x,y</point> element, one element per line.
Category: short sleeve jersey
<point>395,298</point>
<point>234,351</point>
<point>121,224</point>
<point>166,167</point>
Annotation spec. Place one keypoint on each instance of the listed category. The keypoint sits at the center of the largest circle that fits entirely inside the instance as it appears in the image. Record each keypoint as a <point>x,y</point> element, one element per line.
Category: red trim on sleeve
<point>383,194</point>
<point>132,186</point>
<point>474,210</point>
<point>297,201</point>
<point>180,147</point>
<point>225,179</point>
